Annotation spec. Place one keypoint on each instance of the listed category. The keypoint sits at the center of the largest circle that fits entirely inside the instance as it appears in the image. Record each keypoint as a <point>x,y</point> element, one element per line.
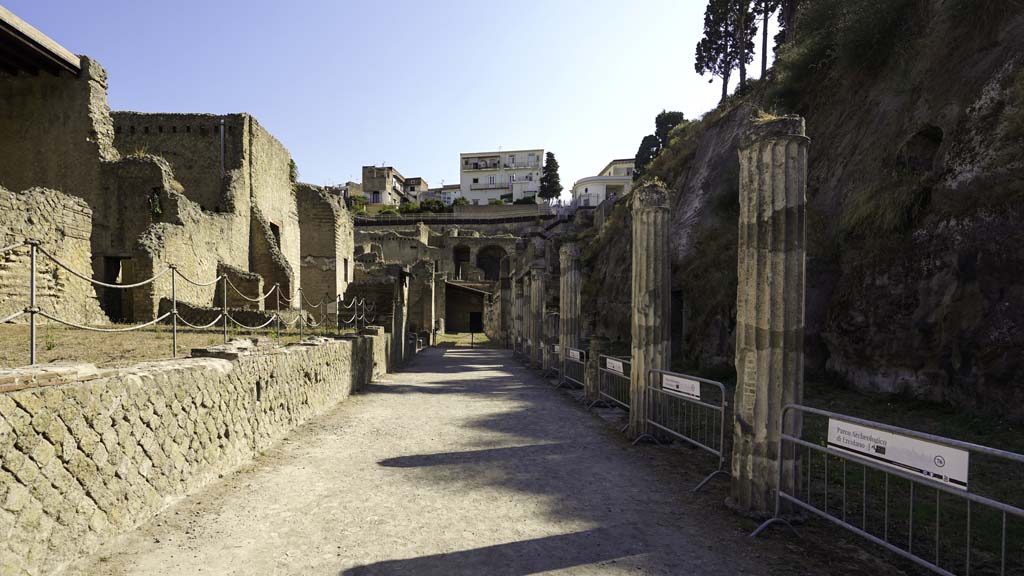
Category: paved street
<point>466,463</point>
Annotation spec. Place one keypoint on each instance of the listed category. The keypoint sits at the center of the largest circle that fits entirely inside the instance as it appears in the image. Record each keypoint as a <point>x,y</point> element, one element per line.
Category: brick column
<point>651,300</point>
<point>769,308</point>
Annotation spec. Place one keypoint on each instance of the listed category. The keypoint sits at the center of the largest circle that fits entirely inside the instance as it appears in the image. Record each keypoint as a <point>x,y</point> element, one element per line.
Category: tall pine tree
<point>765,9</point>
<point>728,42</point>
<point>550,182</point>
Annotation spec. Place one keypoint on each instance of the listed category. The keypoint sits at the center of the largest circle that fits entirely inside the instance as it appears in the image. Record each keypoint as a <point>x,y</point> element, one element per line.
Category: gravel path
<point>466,463</point>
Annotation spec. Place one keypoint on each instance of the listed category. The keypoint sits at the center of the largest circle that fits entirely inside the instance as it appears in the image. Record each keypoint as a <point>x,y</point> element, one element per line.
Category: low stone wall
<point>89,454</point>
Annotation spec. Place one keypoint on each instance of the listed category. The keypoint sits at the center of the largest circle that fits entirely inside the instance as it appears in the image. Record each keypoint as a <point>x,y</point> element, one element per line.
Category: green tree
<point>649,148</point>
<point>496,202</point>
<point>460,201</point>
<point>664,123</point>
<point>358,203</point>
<point>765,9</point>
<point>433,205</point>
<point>409,207</point>
<point>550,182</point>
<point>728,42</point>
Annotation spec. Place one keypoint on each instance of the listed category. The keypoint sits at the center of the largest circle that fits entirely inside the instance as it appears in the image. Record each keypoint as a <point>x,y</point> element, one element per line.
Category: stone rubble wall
<point>62,223</point>
<point>326,241</point>
<point>103,451</point>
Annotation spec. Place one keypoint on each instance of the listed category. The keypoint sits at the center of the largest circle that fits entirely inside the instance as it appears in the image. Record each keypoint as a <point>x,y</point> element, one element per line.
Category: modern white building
<point>507,175</point>
<point>615,180</point>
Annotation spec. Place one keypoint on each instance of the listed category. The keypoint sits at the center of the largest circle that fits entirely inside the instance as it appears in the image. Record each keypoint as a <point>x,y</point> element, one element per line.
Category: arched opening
<point>460,257</point>
<point>488,259</point>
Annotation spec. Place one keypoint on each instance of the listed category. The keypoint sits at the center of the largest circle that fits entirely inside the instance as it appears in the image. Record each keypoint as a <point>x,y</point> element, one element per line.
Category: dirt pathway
<point>464,464</point>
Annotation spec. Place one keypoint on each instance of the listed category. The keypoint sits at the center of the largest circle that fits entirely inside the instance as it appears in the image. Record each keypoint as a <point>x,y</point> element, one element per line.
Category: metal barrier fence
<point>613,378</point>
<point>551,361</point>
<point>691,409</point>
<point>517,346</point>
<point>574,367</point>
<point>360,309</point>
<point>904,490</point>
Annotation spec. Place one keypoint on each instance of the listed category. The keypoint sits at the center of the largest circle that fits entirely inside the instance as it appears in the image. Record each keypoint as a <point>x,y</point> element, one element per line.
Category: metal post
<point>32,309</point>
<point>337,309</point>
<point>224,307</point>
<point>323,314</point>
<point>174,312</point>
<point>277,320</point>
<point>302,319</point>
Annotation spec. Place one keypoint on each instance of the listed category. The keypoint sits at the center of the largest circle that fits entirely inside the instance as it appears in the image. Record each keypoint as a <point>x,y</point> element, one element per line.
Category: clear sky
<point>343,83</point>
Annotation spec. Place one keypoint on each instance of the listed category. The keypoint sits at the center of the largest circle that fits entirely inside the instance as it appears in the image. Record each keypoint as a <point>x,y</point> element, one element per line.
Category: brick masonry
<point>62,224</point>
<point>88,454</point>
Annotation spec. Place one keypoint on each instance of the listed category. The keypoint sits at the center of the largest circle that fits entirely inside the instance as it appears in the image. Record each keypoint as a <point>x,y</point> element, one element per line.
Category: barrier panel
<point>551,361</point>
<point>574,367</point>
<point>907,491</point>
<point>613,378</point>
<point>691,409</point>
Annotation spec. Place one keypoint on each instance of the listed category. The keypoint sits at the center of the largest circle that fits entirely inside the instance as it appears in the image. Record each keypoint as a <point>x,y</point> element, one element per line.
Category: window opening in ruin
<point>488,259</point>
<point>460,255</point>
<point>346,271</point>
<point>275,229</point>
<point>112,299</point>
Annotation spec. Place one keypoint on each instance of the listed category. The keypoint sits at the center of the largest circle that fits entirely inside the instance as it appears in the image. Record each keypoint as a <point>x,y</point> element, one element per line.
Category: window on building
<point>513,177</point>
<point>376,197</point>
<point>512,159</point>
<point>490,179</point>
<point>476,180</point>
<point>476,202</point>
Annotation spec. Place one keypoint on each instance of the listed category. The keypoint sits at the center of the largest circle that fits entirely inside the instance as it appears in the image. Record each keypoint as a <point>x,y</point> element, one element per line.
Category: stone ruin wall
<point>63,225</point>
<point>191,143</point>
<point>55,131</point>
<point>90,454</point>
<point>273,194</point>
<point>327,242</point>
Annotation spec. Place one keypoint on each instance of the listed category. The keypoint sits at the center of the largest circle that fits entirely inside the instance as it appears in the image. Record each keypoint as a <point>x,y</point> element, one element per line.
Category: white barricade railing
<point>907,491</point>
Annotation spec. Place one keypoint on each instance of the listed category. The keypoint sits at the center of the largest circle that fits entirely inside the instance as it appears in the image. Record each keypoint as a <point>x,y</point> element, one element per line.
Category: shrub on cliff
<point>850,36</point>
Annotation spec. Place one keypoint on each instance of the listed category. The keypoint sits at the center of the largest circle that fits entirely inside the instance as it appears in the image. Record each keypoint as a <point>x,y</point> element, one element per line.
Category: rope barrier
<point>12,316</point>
<point>257,299</point>
<point>97,282</point>
<point>194,283</point>
<point>264,325</point>
<point>186,322</point>
<point>317,305</point>
<point>11,247</point>
<point>94,329</point>
<point>293,321</point>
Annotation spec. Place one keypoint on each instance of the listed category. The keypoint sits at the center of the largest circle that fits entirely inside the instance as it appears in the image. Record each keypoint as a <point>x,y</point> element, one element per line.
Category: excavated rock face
<point>915,198</point>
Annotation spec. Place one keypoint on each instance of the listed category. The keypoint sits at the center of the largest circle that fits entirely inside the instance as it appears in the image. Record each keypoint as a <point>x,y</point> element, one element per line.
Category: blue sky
<point>343,83</point>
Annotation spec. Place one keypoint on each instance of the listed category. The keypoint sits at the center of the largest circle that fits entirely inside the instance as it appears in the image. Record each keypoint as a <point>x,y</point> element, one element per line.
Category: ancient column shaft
<point>537,310</point>
<point>769,308</point>
<point>651,297</point>
<point>568,299</point>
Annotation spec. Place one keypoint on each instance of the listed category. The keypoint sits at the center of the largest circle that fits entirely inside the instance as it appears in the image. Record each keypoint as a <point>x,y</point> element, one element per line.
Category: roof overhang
<point>24,49</point>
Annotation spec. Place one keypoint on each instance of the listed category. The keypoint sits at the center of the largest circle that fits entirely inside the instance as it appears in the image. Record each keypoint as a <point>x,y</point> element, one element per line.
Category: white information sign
<point>935,461</point>
<point>614,365</point>
<point>574,354</point>
<point>682,386</point>
<point>557,349</point>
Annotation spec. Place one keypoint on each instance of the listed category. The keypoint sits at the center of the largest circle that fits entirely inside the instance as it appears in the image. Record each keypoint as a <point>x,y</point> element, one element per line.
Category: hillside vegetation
<point>915,110</point>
